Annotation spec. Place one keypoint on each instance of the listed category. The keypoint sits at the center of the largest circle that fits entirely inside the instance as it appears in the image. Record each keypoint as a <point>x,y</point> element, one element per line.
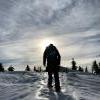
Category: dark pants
<point>56,77</point>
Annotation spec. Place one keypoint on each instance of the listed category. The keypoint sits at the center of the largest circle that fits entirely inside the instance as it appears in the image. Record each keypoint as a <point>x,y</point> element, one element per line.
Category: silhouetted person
<point>74,67</point>
<point>51,58</point>
<point>1,68</point>
<point>27,68</point>
<point>11,69</point>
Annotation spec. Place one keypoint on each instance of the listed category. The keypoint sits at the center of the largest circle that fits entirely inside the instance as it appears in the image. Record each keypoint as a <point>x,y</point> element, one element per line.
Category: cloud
<point>73,24</point>
<point>59,16</point>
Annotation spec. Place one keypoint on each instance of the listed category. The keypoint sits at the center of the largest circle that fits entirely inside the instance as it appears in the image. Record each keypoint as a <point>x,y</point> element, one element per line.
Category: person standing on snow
<point>51,59</point>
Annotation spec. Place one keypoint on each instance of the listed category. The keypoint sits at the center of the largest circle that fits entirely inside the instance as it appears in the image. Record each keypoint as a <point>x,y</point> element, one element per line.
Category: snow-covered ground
<point>32,86</point>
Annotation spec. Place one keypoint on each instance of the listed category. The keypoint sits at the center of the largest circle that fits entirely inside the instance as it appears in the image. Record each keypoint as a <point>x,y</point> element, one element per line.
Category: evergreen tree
<point>74,67</point>
<point>95,68</point>
<point>80,69</point>
<point>11,69</point>
<point>1,68</point>
<point>34,68</point>
<point>27,68</point>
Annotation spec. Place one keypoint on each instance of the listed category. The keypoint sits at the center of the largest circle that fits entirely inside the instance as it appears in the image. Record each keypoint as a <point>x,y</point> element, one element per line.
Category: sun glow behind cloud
<point>28,26</point>
<point>45,42</point>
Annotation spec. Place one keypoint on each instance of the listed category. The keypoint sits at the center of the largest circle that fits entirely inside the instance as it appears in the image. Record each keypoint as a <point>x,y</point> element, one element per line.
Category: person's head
<point>51,45</point>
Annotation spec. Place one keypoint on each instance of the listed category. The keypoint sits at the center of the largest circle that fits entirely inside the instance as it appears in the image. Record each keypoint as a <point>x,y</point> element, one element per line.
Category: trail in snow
<point>33,86</point>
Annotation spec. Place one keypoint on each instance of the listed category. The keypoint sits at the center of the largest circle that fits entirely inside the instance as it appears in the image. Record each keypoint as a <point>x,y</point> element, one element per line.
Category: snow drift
<point>32,86</point>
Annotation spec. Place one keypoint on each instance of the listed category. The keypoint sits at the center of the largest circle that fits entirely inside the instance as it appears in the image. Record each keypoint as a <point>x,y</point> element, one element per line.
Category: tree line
<point>95,67</point>
<point>11,68</point>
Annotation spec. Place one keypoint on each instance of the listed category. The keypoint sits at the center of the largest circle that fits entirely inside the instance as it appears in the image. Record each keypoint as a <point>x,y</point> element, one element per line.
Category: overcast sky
<point>72,25</point>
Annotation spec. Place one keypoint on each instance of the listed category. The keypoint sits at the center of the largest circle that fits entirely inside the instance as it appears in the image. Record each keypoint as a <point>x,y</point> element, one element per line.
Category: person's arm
<point>44,57</point>
<point>59,57</point>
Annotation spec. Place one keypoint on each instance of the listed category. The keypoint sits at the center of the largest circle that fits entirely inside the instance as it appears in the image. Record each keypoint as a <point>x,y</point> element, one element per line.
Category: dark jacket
<point>51,58</point>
